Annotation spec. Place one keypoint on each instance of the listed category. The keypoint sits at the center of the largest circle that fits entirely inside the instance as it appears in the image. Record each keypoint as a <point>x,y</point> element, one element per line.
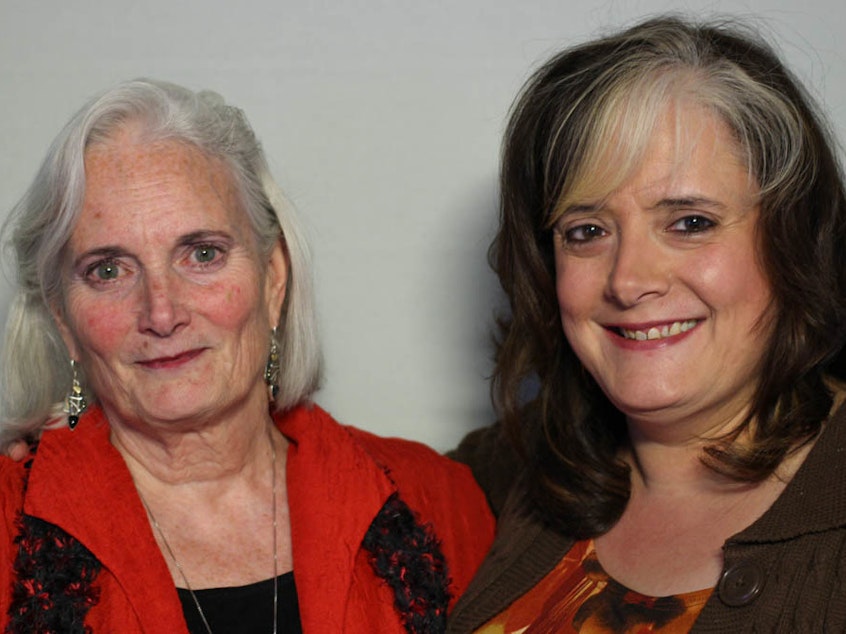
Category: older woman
<point>673,244</point>
<point>164,283</point>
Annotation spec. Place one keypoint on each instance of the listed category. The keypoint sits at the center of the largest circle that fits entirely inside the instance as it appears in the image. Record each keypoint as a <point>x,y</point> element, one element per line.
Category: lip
<point>652,335</point>
<point>169,362</point>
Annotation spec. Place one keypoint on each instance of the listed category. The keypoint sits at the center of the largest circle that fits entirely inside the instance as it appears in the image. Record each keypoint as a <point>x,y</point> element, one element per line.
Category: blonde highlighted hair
<point>578,129</point>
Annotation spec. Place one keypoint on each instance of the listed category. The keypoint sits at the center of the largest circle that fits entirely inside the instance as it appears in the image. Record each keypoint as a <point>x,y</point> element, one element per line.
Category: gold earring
<point>75,402</point>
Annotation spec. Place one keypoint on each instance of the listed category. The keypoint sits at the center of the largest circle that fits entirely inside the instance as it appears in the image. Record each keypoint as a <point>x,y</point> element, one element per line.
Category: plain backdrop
<point>382,121</point>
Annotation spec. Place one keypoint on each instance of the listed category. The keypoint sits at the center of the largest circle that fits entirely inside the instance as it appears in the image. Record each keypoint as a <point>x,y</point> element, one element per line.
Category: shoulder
<point>407,458</point>
<point>441,493</point>
<point>12,483</point>
<point>495,462</point>
<point>13,477</point>
<point>422,476</point>
<point>441,490</point>
<point>404,460</point>
<point>445,497</point>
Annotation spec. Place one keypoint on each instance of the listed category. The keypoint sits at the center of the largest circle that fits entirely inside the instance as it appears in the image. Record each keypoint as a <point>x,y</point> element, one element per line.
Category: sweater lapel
<point>80,483</point>
<point>335,489</point>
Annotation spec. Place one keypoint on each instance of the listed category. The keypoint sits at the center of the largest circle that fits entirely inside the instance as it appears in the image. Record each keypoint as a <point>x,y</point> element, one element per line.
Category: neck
<point>196,452</point>
<point>666,456</point>
<point>675,467</point>
<point>673,470</point>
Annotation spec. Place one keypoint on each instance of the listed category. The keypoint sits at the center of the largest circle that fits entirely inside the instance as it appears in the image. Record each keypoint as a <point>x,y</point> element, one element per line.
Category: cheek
<point>734,280</point>
<point>232,306</point>
<point>577,291</point>
<point>99,327</point>
<point>578,295</point>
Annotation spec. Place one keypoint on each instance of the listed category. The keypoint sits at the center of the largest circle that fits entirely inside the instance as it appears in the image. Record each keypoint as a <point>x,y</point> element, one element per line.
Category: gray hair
<point>35,372</point>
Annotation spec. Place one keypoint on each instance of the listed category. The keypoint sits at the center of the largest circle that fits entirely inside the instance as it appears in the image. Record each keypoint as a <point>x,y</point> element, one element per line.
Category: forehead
<point>157,185</point>
<point>126,160</point>
<point>680,137</point>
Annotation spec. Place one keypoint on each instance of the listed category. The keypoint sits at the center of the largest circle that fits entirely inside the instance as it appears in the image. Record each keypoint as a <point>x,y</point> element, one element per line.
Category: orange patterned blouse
<point>578,596</point>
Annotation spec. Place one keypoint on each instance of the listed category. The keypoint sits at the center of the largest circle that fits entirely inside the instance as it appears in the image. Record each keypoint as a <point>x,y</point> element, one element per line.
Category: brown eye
<point>584,233</point>
<point>692,224</point>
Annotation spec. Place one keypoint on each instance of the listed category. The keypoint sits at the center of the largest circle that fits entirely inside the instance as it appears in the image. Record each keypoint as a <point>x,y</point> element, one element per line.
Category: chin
<point>176,406</point>
<point>646,406</point>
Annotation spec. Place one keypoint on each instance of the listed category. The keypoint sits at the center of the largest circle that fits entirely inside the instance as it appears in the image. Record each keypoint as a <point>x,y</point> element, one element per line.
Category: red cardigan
<point>338,478</point>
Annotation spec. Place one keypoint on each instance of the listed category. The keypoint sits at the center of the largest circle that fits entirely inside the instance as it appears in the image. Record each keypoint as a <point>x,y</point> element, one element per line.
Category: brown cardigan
<point>784,573</point>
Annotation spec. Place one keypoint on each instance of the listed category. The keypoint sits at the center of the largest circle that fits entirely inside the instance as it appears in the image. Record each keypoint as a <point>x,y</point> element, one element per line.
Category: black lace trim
<point>54,580</point>
<point>54,574</point>
<point>408,557</point>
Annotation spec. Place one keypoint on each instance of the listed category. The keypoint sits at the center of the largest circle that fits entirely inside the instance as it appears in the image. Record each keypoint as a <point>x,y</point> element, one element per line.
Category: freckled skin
<point>165,337</point>
<point>642,270</point>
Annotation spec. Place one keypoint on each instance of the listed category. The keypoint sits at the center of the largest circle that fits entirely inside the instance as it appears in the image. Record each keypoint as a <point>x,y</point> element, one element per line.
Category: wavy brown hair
<point>609,93</point>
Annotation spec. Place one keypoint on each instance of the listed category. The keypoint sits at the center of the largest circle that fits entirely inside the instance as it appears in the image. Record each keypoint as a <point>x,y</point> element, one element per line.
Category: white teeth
<point>676,328</point>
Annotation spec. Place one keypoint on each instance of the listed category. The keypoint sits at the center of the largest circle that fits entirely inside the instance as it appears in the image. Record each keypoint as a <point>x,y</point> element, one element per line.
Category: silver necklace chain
<point>275,555</point>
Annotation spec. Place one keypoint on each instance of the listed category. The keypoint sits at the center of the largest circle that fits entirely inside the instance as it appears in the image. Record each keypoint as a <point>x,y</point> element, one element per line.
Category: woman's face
<point>167,304</point>
<point>661,294</point>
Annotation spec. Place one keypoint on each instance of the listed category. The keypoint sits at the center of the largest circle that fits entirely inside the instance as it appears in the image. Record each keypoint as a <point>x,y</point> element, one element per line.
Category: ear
<point>276,281</point>
<point>58,313</point>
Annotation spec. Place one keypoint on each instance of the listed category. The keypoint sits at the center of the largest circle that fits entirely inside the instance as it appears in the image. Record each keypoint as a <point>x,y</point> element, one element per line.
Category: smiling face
<point>660,291</point>
<point>167,303</point>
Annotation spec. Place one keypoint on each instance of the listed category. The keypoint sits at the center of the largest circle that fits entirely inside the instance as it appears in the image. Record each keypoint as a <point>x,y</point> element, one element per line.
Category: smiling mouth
<point>165,362</point>
<point>656,332</point>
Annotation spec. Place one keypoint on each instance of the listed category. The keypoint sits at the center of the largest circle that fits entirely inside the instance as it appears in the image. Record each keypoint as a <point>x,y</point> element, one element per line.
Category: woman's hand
<point>18,450</point>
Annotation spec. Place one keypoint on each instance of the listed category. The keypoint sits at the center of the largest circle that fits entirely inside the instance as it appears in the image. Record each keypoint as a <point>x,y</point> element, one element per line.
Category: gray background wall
<point>382,121</point>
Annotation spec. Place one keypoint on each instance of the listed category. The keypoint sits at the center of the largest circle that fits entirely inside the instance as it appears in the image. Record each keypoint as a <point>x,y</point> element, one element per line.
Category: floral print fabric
<point>578,597</point>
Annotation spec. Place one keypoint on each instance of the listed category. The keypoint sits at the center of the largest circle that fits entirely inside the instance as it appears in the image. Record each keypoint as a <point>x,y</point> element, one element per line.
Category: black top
<point>244,609</point>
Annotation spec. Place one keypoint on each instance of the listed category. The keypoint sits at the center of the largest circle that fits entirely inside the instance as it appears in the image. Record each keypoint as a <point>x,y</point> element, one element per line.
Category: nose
<point>640,270</point>
<point>163,310</point>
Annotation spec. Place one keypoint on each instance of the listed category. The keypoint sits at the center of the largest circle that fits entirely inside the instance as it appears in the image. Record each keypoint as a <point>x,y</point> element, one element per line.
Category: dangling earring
<point>75,402</point>
<point>271,370</point>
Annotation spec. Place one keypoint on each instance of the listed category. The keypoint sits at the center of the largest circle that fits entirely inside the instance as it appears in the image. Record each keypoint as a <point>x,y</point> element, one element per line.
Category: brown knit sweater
<point>784,573</point>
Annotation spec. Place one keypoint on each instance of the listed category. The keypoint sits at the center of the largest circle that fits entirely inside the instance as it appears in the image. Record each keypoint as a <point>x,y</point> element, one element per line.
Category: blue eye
<point>205,253</point>
<point>106,270</point>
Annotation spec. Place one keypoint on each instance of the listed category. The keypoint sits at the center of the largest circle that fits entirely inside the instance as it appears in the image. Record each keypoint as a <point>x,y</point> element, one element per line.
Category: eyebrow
<point>100,252</point>
<point>664,203</point>
<point>688,201</point>
<point>203,235</point>
<point>113,251</point>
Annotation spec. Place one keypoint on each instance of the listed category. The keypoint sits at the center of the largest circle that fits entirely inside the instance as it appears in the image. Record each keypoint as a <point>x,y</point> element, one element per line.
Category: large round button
<point>741,583</point>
